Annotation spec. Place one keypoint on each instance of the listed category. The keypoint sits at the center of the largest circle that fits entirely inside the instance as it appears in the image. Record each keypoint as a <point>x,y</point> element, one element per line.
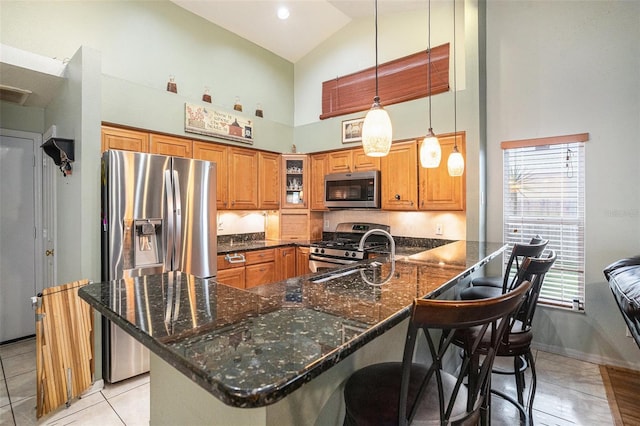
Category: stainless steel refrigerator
<point>158,215</point>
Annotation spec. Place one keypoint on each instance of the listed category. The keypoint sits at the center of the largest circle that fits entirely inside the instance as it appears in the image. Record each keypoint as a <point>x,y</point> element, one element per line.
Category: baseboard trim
<point>582,356</point>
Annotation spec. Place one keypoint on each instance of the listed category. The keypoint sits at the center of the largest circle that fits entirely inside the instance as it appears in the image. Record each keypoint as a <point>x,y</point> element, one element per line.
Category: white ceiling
<point>310,23</point>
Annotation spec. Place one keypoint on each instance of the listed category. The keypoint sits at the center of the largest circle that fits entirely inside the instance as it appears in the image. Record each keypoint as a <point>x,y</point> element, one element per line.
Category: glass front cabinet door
<point>295,182</point>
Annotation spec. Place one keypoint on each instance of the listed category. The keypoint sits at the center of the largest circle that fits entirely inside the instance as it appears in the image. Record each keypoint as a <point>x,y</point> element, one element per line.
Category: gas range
<point>344,248</point>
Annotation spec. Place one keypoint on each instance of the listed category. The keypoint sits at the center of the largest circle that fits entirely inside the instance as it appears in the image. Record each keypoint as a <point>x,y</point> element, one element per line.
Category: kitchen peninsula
<point>277,354</point>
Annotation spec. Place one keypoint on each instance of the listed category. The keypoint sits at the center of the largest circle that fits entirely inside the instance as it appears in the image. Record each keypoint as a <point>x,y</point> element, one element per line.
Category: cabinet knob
<point>397,196</point>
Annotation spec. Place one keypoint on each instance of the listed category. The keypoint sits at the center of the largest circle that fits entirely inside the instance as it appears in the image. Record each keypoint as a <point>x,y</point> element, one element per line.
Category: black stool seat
<point>480,292</point>
<point>382,381</point>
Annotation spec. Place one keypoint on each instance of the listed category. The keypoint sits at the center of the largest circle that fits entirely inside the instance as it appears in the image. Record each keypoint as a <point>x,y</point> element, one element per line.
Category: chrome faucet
<point>392,256</point>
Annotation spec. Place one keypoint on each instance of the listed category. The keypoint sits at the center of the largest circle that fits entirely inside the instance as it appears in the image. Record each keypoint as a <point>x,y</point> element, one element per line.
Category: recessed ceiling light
<point>283,12</point>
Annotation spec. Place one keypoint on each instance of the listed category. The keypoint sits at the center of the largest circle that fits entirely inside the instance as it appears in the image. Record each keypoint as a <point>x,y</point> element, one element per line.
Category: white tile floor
<point>570,392</point>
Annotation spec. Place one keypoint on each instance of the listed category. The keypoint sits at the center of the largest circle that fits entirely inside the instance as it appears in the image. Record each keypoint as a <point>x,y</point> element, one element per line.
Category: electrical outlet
<point>439,229</point>
<point>326,224</point>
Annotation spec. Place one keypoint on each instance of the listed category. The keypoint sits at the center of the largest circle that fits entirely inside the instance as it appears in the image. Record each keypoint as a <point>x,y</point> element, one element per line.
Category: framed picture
<point>352,130</point>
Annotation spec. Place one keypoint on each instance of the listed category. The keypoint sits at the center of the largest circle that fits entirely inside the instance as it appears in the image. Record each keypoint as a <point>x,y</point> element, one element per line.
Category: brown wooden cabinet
<point>170,145</point>
<point>218,154</point>
<point>302,260</point>
<point>285,263</point>
<point>352,160</point>
<point>124,139</point>
<point>260,267</point>
<point>234,277</point>
<point>437,190</point>
<point>399,175</point>
<point>268,180</point>
<point>243,179</point>
<point>362,162</point>
<point>340,161</point>
<point>231,270</point>
<point>294,225</point>
<point>319,166</point>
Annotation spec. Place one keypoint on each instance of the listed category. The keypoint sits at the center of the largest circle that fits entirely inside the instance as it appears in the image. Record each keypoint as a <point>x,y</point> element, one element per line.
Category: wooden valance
<point>553,140</point>
<point>399,80</point>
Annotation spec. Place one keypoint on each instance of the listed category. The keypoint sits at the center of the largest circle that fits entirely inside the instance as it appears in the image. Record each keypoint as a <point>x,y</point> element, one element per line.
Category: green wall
<point>562,67</point>
<point>141,44</point>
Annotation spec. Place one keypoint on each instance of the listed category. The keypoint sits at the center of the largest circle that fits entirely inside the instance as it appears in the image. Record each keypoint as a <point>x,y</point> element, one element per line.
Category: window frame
<point>565,232</point>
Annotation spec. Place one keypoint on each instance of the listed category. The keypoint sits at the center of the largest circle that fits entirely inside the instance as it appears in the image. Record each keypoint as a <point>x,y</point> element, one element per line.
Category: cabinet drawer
<point>259,274</point>
<point>224,263</point>
<point>260,256</point>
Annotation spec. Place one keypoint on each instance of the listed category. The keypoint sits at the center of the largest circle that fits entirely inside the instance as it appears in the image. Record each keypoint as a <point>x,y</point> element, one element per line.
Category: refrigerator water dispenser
<point>147,242</point>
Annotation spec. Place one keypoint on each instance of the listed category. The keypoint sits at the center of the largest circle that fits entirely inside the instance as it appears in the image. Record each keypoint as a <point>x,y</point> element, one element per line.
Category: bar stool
<point>483,287</point>
<point>410,393</point>
<point>516,341</point>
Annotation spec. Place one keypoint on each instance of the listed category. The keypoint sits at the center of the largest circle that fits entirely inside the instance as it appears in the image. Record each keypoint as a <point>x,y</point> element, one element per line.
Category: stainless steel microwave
<point>352,190</point>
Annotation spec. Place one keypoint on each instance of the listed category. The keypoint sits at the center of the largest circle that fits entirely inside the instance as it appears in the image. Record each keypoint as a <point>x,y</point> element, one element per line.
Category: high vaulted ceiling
<point>309,24</point>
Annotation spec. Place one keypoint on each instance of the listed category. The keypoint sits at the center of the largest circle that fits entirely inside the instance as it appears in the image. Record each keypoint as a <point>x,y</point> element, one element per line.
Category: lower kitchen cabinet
<point>231,270</point>
<point>260,267</point>
<point>249,269</point>
<point>234,277</point>
<point>285,263</point>
<point>302,260</point>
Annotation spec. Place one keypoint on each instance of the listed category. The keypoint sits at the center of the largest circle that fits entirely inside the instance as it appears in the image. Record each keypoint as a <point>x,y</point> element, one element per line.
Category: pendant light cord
<point>376,26</point>
<point>455,85</point>
<point>429,59</point>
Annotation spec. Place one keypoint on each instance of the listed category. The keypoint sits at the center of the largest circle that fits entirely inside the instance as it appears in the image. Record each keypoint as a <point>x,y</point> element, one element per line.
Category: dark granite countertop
<point>252,348</point>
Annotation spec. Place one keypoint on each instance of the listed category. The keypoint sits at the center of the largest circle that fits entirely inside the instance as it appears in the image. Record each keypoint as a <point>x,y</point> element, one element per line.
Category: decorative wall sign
<point>352,130</point>
<point>206,121</point>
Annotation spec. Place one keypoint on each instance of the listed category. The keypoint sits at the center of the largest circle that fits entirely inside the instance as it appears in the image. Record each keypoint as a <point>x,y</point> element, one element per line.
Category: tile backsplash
<point>439,225</point>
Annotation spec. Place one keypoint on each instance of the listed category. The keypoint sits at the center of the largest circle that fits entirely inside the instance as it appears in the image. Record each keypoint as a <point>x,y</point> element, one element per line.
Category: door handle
<point>48,252</point>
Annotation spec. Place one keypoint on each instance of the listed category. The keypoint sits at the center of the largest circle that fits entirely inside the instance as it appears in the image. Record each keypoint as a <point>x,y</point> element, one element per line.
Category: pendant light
<point>376,129</point>
<point>455,163</point>
<point>430,151</point>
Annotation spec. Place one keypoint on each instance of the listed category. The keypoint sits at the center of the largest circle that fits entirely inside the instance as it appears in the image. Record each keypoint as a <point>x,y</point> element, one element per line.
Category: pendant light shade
<point>376,129</point>
<point>455,163</point>
<point>430,151</point>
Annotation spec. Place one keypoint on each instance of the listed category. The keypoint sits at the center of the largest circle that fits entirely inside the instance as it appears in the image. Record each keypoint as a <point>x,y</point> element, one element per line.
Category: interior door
<point>20,247</point>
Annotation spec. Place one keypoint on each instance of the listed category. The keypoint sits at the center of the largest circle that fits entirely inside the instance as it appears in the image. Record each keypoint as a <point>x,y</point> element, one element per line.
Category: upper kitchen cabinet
<point>362,162</point>
<point>170,145</point>
<point>352,160</point>
<point>437,190</point>
<point>217,154</point>
<point>243,179</point>
<point>124,139</point>
<point>319,166</point>
<point>295,182</point>
<point>399,175</point>
<point>269,180</point>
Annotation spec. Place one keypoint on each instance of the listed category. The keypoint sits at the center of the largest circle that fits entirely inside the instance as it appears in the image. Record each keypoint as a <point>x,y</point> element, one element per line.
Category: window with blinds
<point>544,182</point>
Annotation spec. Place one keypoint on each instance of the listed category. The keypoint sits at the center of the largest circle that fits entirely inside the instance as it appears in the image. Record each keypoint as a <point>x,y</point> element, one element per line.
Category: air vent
<point>14,94</point>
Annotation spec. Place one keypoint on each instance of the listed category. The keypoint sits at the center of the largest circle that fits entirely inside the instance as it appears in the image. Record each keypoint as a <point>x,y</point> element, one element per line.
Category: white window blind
<point>544,195</point>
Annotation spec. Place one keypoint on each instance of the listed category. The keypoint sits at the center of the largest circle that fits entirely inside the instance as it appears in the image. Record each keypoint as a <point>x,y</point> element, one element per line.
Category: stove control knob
<point>353,254</point>
<point>346,254</point>
<point>322,251</point>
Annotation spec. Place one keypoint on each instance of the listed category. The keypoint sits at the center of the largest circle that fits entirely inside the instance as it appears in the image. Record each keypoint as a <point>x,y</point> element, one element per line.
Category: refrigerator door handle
<point>178,222</point>
<point>170,220</point>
